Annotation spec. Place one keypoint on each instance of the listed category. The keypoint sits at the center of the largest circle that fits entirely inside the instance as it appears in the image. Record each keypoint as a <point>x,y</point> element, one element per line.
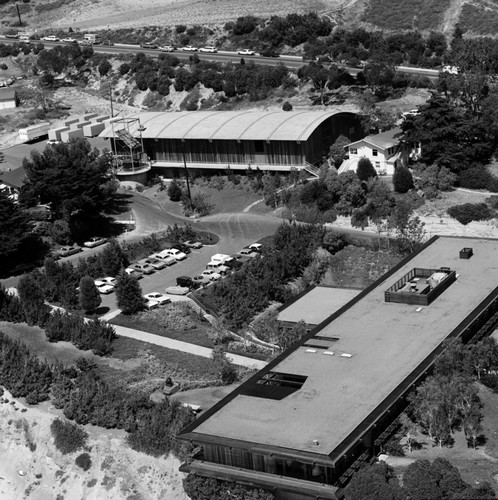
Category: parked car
<point>256,247</point>
<point>134,273</point>
<point>193,244</point>
<point>95,242</point>
<point>189,48</point>
<point>150,304</point>
<point>182,247</point>
<point>160,298</point>
<point>200,280</point>
<point>174,252</point>
<point>248,252</point>
<point>67,250</point>
<point>246,52</point>
<point>143,268</point>
<point>165,257</point>
<point>167,48</point>
<point>105,281</point>
<point>177,290</point>
<point>105,289</point>
<point>148,46</point>
<point>52,142</point>
<point>51,38</point>
<point>185,281</point>
<point>209,48</point>
<point>211,274</point>
<point>155,263</point>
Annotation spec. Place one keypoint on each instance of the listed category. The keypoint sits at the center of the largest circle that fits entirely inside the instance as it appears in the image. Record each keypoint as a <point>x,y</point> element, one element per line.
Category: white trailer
<point>34,132</point>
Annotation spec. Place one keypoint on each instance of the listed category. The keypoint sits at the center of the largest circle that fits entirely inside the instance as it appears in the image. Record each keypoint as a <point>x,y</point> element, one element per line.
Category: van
<point>185,281</point>
<point>219,267</point>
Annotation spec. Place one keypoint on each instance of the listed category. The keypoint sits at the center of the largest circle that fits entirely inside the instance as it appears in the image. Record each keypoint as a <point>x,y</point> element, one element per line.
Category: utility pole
<point>19,15</point>
<point>186,171</point>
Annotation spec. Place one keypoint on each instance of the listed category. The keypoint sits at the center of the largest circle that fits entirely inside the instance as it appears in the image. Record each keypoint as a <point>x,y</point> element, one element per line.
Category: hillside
<point>478,17</point>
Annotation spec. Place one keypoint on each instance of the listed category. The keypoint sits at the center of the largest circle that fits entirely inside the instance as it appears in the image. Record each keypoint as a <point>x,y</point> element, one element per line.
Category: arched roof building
<point>217,140</point>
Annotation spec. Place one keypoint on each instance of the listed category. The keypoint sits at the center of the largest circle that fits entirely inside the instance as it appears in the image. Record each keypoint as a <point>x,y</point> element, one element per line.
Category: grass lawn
<point>440,205</point>
<point>175,321</point>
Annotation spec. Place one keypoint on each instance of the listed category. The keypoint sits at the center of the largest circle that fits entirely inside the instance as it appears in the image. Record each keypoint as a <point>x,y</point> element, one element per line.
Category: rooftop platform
<point>316,305</point>
<point>384,343</point>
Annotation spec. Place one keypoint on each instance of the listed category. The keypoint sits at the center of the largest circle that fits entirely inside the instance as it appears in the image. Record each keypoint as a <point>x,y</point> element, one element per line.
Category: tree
<point>129,294</point>
<point>104,67</point>
<point>433,179</point>
<point>338,151</point>
<point>402,180</point>
<point>13,226</point>
<point>376,482</point>
<point>365,170</point>
<point>287,106</point>
<point>113,259</point>
<point>175,192</point>
<point>32,298</point>
<point>227,372</point>
<point>72,177</point>
<point>89,296</point>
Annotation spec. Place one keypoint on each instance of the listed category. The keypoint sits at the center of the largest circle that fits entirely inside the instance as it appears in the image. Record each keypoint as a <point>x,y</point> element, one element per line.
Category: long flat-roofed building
<point>302,424</point>
<point>217,140</point>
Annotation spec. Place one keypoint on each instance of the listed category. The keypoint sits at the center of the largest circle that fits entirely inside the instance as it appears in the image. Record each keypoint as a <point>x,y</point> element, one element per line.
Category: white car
<point>150,304</point>
<point>211,274</point>
<point>189,48</point>
<point>155,263</point>
<point>177,290</point>
<point>177,254</point>
<point>160,298</point>
<point>133,273</point>
<point>105,289</point>
<point>95,242</point>
<point>210,48</point>
<point>51,38</point>
<point>70,40</point>
<point>246,52</point>
<point>105,281</point>
<point>167,48</point>
<point>193,244</point>
<point>256,247</point>
<point>248,252</point>
<point>164,257</point>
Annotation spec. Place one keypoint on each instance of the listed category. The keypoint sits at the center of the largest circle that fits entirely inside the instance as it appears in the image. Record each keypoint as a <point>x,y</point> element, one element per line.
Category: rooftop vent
<point>316,442</point>
<point>466,253</point>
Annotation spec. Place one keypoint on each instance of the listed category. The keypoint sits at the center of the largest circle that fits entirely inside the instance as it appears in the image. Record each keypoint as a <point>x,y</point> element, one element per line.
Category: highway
<point>293,62</point>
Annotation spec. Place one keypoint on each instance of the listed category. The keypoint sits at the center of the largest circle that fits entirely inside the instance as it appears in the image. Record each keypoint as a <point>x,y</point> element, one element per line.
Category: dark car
<point>148,46</point>
<point>185,281</point>
<point>182,247</point>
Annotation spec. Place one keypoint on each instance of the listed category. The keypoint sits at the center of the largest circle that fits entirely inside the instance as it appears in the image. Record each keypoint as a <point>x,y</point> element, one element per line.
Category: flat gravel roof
<point>386,342</point>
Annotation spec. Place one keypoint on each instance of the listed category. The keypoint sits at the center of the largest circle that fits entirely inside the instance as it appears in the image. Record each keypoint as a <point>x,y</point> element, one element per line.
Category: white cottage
<point>383,150</point>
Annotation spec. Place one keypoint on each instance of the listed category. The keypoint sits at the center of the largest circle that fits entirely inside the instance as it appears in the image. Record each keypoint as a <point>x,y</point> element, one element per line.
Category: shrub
<point>3,66</point>
<point>83,461</point>
<point>104,67</point>
<point>478,178</point>
<point>124,68</point>
<point>287,106</point>
<point>365,170</point>
<point>68,437</point>
<point>181,28</point>
<point>402,180</point>
<point>492,201</point>
<point>468,212</point>
<point>174,191</point>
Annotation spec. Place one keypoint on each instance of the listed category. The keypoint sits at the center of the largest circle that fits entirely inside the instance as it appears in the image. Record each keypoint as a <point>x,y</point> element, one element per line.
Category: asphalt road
<point>226,56</point>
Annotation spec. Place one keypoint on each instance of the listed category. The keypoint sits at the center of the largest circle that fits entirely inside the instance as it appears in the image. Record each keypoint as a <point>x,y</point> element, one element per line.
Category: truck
<point>34,132</point>
<point>92,38</point>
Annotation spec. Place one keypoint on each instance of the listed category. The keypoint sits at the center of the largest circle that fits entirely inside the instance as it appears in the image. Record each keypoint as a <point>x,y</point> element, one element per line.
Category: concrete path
<point>185,347</point>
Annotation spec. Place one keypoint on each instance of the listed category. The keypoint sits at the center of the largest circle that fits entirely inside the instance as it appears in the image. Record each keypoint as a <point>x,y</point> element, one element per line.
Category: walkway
<point>185,347</point>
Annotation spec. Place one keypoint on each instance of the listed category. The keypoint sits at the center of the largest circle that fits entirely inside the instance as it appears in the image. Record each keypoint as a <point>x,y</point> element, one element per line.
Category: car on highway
<point>134,273</point>
<point>193,244</point>
<point>165,257</point>
<point>67,250</point>
<point>177,290</point>
<point>148,46</point>
<point>11,35</point>
<point>211,274</point>
<point>174,252</point>
<point>209,48</point>
<point>246,52</point>
<point>70,40</point>
<point>95,242</point>
<point>189,48</point>
<point>167,48</point>
<point>85,42</point>
<point>51,38</point>
<point>155,263</point>
<point>143,268</point>
<point>160,298</point>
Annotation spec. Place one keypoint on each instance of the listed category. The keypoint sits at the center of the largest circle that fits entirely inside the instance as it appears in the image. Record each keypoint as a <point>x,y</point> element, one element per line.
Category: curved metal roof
<point>226,125</point>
